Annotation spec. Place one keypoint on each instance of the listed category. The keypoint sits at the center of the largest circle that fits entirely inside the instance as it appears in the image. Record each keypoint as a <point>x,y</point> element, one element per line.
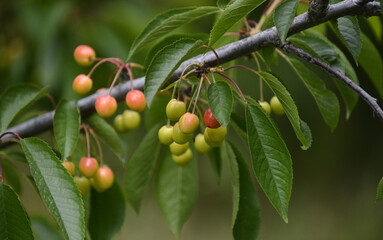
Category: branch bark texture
<point>226,53</point>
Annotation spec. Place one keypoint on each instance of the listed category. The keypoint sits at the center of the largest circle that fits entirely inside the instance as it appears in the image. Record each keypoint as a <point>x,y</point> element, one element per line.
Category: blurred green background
<point>334,181</point>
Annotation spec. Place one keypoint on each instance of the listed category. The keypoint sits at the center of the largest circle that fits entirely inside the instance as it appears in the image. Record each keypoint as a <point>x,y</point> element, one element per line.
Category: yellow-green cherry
<point>276,106</point>
<point>215,136</point>
<point>179,136</point>
<point>201,145</point>
<point>184,158</point>
<point>165,135</point>
<point>178,149</point>
<point>175,109</point>
<point>131,119</point>
<point>266,106</point>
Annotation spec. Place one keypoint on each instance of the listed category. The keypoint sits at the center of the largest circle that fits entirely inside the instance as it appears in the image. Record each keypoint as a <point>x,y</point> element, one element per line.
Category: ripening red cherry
<point>165,135</point>
<point>201,145</point>
<point>188,123</point>
<point>175,109</point>
<point>84,55</point>
<point>135,100</point>
<point>103,179</point>
<point>88,166</point>
<point>69,166</point>
<point>106,105</point>
<point>83,185</point>
<point>184,158</point>
<point>82,84</point>
<point>209,119</point>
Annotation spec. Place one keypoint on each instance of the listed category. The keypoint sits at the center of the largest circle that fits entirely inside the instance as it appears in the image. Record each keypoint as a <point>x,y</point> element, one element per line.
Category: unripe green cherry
<point>266,106</point>
<point>276,106</point>
<point>83,185</point>
<point>184,158</point>
<point>188,123</point>
<point>84,55</point>
<point>69,166</point>
<point>88,166</point>
<point>135,100</point>
<point>201,145</point>
<point>179,136</point>
<point>165,135</point>
<point>106,105</point>
<point>131,119</point>
<point>178,149</point>
<point>82,84</point>
<point>103,179</point>
<point>175,109</point>
<point>119,124</point>
<point>215,136</point>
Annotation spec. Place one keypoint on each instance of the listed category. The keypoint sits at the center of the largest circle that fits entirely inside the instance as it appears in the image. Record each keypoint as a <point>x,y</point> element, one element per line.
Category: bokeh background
<point>334,181</point>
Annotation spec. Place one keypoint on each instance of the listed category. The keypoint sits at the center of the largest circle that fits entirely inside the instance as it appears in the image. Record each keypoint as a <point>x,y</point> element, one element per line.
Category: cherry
<point>178,149</point>
<point>215,136</point>
<point>83,54</point>
<point>175,109</point>
<point>184,158</point>
<point>83,185</point>
<point>276,106</point>
<point>101,90</point>
<point>209,119</point>
<point>135,100</point>
<point>165,135</point>
<point>200,144</point>
<point>103,179</point>
<point>189,123</point>
<point>106,105</point>
<point>88,166</point>
<point>179,136</point>
<point>119,124</point>
<point>69,166</point>
<point>131,119</point>
<point>82,84</point>
<point>266,106</point>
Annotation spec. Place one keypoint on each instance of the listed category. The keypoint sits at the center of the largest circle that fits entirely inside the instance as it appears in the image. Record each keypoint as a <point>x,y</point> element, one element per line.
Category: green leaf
<point>348,28</point>
<point>379,193</point>
<point>107,134</point>
<point>169,40</point>
<point>288,104</point>
<point>230,16</point>
<point>372,64</point>
<point>164,64</point>
<point>168,21</point>
<point>14,156</point>
<point>326,100</point>
<point>42,229</point>
<point>15,100</point>
<point>220,100</point>
<point>284,16</point>
<point>176,191</point>
<point>271,159</point>
<point>223,3</point>
<point>140,168</point>
<point>157,113</point>
<point>11,175</point>
<point>216,162</point>
<point>239,125</point>
<point>14,221</point>
<point>107,212</point>
<point>246,210</point>
<point>307,132</point>
<point>57,189</point>
<point>66,125</point>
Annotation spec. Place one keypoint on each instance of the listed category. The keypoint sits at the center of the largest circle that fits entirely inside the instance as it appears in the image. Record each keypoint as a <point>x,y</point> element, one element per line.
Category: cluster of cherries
<point>100,177</point>
<point>275,106</point>
<point>179,135</point>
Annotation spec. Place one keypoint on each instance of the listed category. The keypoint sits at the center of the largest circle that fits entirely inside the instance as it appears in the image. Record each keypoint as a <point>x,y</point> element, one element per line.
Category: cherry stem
<point>110,76</point>
<point>252,22</point>
<point>130,76</point>
<point>136,65</point>
<point>266,13</point>
<point>215,53</point>
<point>87,139</point>
<point>115,61</point>
<point>182,77</point>
<point>98,146</point>
<point>246,23</point>
<point>207,79</point>
<point>115,78</point>
<point>260,79</point>
<point>191,100</point>
<point>12,133</point>
<point>236,86</point>
<point>198,92</point>
<point>240,66</point>
<point>174,88</point>
<point>52,100</point>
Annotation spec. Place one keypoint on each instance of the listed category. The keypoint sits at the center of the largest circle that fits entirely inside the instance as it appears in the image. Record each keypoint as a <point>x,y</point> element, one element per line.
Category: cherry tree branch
<point>226,53</point>
<point>317,9</point>
<point>291,48</point>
